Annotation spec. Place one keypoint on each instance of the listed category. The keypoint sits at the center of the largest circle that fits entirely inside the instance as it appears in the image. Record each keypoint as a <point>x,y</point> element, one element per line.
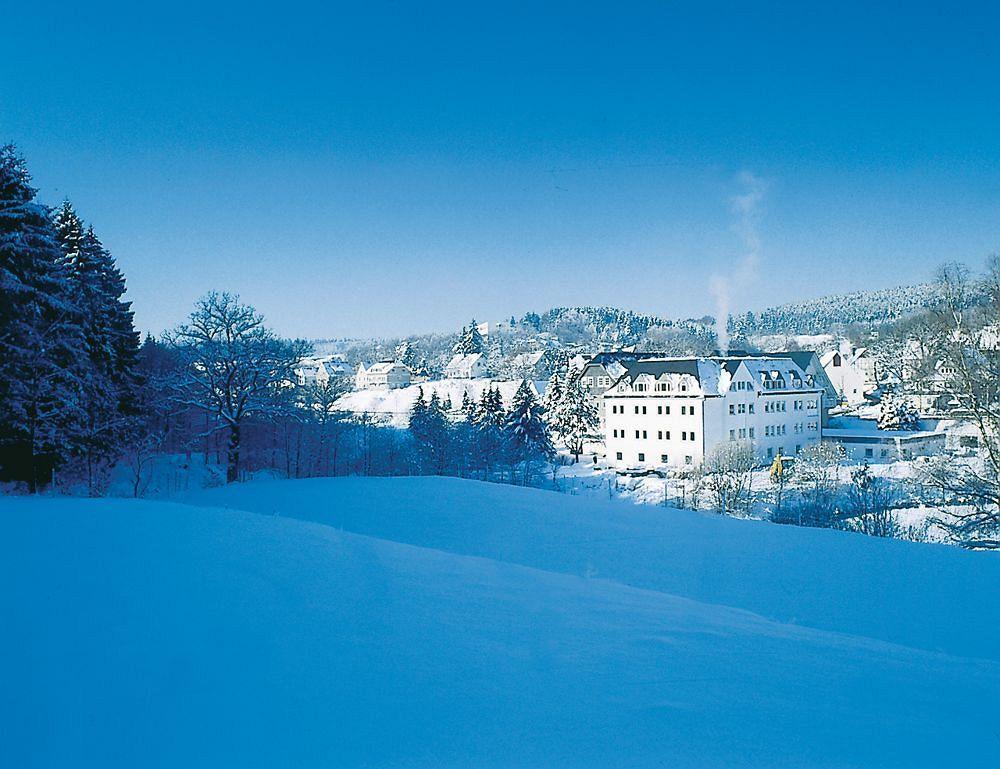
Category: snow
<point>394,406</point>
<point>445,623</point>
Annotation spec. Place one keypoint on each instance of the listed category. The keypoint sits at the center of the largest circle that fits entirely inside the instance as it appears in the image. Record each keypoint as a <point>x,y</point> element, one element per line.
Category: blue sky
<point>384,167</point>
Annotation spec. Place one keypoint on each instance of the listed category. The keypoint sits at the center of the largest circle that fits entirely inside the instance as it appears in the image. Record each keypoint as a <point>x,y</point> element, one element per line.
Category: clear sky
<point>385,167</point>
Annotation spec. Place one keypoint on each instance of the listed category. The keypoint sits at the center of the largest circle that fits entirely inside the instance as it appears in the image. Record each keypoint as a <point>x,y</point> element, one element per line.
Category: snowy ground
<point>446,623</point>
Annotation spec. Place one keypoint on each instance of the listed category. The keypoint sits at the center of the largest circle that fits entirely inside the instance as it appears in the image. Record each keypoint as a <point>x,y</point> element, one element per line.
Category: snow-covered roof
<point>854,427</point>
<point>463,361</point>
<point>715,375</point>
<point>528,358</point>
<point>383,367</point>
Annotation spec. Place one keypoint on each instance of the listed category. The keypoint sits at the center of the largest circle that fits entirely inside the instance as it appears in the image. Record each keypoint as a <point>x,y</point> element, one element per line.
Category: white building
<point>852,372</point>
<point>385,375</point>
<point>536,365</point>
<point>674,411</point>
<point>471,366</point>
<point>861,440</point>
<point>321,370</point>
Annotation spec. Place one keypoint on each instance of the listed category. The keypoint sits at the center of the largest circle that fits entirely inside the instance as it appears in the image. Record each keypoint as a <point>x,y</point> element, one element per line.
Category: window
<point>637,434</point>
<point>683,410</point>
<point>751,432</point>
<point>636,409</point>
<point>684,435</point>
<point>659,435</point>
<point>643,409</point>
<point>666,410</point>
<point>668,435</point>
<point>732,435</point>
<point>732,409</point>
<point>692,436</point>
<point>642,457</point>
<point>691,410</point>
<point>688,459</point>
<point>659,409</point>
<point>869,453</point>
<point>618,456</point>
<point>643,433</point>
<point>750,408</point>
<point>770,453</point>
<point>663,458</point>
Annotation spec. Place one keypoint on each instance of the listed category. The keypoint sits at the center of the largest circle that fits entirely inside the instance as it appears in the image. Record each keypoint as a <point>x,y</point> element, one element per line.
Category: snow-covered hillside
<point>394,406</point>
<point>444,623</point>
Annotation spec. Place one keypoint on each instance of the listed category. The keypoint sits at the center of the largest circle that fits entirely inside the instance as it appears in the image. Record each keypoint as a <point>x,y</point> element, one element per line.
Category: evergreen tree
<point>468,407</point>
<point>41,346</point>
<point>896,413</point>
<point>431,430</point>
<point>576,418</point>
<point>553,395</point>
<point>527,436</point>
<point>470,341</point>
<point>110,386</point>
<point>418,413</point>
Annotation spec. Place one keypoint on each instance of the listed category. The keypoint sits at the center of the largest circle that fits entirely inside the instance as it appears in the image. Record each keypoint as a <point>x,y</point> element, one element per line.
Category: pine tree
<point>896,413</point>
<point>576,418</point>
<point>527,436</point>
<point>110,392</point>
<point>470,341</point>
<point>418,413</point>
<point>468,407</point>
<point>553,395</point>
<point>489,420</point>
<point>40,342</point>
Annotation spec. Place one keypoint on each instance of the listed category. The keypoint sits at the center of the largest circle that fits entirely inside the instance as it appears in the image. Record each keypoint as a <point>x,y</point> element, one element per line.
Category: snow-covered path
<point>154,634</point>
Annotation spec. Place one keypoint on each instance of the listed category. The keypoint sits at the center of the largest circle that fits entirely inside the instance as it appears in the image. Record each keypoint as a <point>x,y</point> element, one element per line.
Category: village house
<point>853,373</point>
<point>672,412</point>
<point>470,366</point>
<point>536,366</point>
<point>384,375</point>
<point>319,371</point>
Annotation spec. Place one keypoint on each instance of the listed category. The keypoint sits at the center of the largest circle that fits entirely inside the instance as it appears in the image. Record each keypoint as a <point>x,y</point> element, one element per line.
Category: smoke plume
<point>745,207</point>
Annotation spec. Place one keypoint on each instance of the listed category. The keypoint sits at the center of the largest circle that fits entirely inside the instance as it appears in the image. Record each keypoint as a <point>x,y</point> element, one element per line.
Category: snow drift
<point>441,623</point>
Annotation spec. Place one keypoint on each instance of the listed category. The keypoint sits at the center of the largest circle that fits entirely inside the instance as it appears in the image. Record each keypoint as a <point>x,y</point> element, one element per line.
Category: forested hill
<point>816,316</point>
<point>608,325</point>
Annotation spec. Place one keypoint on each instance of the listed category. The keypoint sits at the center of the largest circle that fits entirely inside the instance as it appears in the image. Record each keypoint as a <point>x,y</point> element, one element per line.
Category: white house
<point>385,375</point>
<point>672,412</point>
<point>322,370</point>
<point>471,366</point>
<point>536,365</point>
<point>852,372</point>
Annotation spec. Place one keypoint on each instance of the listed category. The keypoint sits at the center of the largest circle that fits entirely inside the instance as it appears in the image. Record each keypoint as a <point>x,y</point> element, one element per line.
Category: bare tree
<point>869,503</point>
<point>816,478</point>
<point>233,368</point>
<point>727,475</point>
<point>969,317</point>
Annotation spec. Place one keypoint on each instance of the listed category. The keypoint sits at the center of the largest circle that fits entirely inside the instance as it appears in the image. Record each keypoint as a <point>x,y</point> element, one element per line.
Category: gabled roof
<point>656,368</point>
<point>607,357</point>
<point>382,367</point>
<point>461,360</point>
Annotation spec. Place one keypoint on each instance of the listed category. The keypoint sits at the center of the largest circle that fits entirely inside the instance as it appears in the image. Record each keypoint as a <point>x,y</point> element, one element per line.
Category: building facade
<point>673,412</point>
<point>383,375</point>
<point>471,366</point>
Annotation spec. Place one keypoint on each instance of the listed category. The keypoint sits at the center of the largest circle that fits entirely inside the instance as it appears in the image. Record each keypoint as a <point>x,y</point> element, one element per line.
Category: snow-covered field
<point>445,623</point>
